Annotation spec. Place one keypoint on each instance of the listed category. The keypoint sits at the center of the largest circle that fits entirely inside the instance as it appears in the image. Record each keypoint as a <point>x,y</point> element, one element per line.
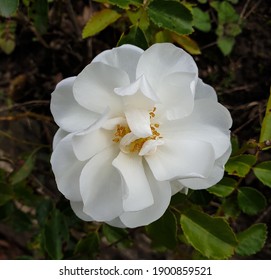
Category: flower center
<point>128,141</point>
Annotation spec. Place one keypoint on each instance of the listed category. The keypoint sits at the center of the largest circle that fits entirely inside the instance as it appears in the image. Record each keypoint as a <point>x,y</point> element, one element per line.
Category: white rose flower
<point>135,128</point>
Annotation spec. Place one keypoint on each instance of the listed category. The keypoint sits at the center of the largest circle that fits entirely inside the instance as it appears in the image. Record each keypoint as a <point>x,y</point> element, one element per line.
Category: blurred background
<point>42,42</point>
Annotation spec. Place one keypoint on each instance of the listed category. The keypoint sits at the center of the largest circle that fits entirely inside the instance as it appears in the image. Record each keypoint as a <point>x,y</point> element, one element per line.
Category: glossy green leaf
<point>266,124</point>
<point>163,232</point>
<point>8,7</point>
<point>223,188</point>
<point>240,165</point>
<point>99,21</point>
<point>38,12</point>
<point>251,240</point>
<point>55,234</point>
<point>263,172</point>
<point>24,171</point>
<point>88,246</point>
<point>201,20</point>
<point>171,15</point>
<point>213,237</point>
<point>125,4</point>
<point>135,37</point>
<point>250,200</point>
<point>7,36</point>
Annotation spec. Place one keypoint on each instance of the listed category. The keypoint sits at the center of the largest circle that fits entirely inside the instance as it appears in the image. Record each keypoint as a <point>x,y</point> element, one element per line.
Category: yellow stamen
<point>136,146</point>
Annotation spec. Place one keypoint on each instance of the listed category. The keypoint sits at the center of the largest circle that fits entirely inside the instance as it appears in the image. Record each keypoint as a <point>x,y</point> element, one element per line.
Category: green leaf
<point>135,37</point>
<point>250,200</point>
<point>88,246</point>
<point>7,36</point>
<point>5,194</point>
<point>38,12</point>
<point>99,21</point>
<point>232,29</point>
<point>226,12</point>
<point>201,20</point>
<point>263,172</point>
<point>55,234</point>
<point>223,188</point>
<point>213,237</point>
<point>200,197</point>
<point>234,145</point>
<point>163,232</point>
<point>25,170</point>
<point>240,165</point>
<point>163,36</point>
<point>139,18</point>
<point>251,240</point>
<point>266,124</point>
<point>8,7</point>
<point>225,44</point>
<point>230,207</point>
<point>171,15</point>
<point>187,43</point>
<point>124,4</point>
<point>42,211</point>
<point>116,235</point>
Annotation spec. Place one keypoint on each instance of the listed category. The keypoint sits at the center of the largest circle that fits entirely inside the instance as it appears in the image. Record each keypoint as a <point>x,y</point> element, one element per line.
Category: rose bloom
<point>136,127</point>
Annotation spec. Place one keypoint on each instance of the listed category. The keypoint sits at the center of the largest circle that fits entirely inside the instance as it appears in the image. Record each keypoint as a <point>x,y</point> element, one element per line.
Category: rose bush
<point>136,127</point>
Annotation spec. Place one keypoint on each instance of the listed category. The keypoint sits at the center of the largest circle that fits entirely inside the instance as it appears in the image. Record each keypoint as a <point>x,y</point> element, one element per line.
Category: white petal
<point>176,187</point>
<point>139,122</point>
<point>176,92</point>
<point>181,159</point>
<point>215,176</point>
<point>86,146</point>
<point>60,134</point>
<point>94,88</point>
<point>137,193</point>
<point>138,94</point>
<point>92,140</point>
<point>113,122</point>
<point>68,114</point>
<point>161,60</point>
<point>219,139</point>
<point>77,207</point>
<point>161,194</point>
<point>100,186</point>
<point>205,91</point>
<point>208,111</point>
<point>150,147</point>
<point>116,223</point>
<point>124,57</point>
<point>67,169</point>
<point>127,140</point>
